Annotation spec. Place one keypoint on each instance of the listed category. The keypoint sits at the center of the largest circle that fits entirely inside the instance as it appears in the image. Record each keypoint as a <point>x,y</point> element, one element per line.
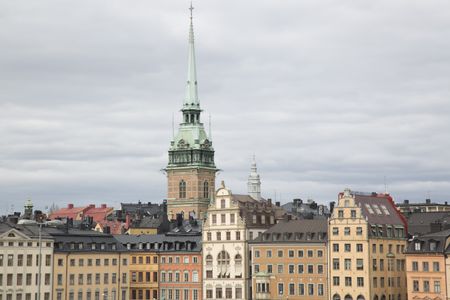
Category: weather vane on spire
<point>191,8</point>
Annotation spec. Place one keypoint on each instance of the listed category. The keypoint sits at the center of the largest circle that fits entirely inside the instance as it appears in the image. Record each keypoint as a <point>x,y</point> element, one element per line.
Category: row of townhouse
<point>88,265</point>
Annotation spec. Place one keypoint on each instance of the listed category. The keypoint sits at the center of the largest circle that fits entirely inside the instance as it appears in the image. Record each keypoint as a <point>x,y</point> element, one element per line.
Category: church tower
<point>254,183</point>
<point>191,171</point>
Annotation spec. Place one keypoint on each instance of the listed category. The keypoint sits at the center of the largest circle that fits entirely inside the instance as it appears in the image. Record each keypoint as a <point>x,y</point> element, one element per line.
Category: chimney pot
<point>70,206</point>
<point>277,203</point>
<point>427,201</point>
<point>103,205</point>
<point>406,201</point>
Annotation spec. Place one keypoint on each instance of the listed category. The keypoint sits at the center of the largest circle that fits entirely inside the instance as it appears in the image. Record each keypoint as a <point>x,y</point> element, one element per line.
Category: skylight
<point>369,208</point>
<point>385,210</point>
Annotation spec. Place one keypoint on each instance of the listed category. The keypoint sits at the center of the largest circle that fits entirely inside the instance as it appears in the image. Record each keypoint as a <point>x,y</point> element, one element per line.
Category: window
<point>336,281</point>
<point>310,269</point>
<point>218,292</point>
<point>425,266</point>
<point>335,247</point>
<point>415,266</point>
<point>335,231</point>
<point>301,289</point>
<point>228,293</point>
<point>319,253</point>
<point>291,253</point>
<point>205,190</point>
<point>238,259</point>
<point>208,236</point>
<point>269,269</point>
<point>209,260</point>
<point>437,286</point>
<point>291,289</point>
<point>340,214</point>
<point>415,285</point>
<point>223,258</point>
<point>269,253</point>
<point>194,276</point>
<point>238,235</point>
<point>238,292</point>
<point>218,236</point>
<point>358,230</point>
<point>209,294</point>
<point>300,269</point>
<point>436,266</point>
<point>291,269</point>
<point>222,218</point>
<point>359,247</point>
<point>182,189</point>
<point>335,263</point>
<point>359,264</point>
<point>310,253</point>
<point>346,230</point>
<point>228,235</point>
<point>353,214</point>
<point>280,289</point>
<point>280,269</point>
<point>232,219</point>
<point>214,219</point>
<point>347,264</point>
<point>320,289</point>
<point>360,281</point>
<point>320,269</point>
<point>300,253</point>
<point>426,286</point>
<point>280,253</point>
<point>348,281</point>
<point>347,247</point>
<point>310,289</point>
<point>222,203</point>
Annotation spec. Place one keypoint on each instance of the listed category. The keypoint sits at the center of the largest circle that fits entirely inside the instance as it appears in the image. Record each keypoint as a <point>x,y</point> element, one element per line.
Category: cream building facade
<point>226,231</point>
<point>20,265</point>
<point>367,238</point>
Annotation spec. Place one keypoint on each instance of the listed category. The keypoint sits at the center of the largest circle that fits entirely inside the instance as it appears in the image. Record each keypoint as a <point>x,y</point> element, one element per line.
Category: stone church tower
<point>191,171</point>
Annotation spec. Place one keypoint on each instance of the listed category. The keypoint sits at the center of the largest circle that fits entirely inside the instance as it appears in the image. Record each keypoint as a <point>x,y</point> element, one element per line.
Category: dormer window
<point>433,246</point>
<point>340,214</point>
<point>417,246</point>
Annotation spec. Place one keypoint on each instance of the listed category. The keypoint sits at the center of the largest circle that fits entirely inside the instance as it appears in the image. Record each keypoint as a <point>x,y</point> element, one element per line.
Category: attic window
<point>369,208</point>
<point>432,246</point>
<point>11,235</point>
<point>417,246</point>
<point>385,210</point>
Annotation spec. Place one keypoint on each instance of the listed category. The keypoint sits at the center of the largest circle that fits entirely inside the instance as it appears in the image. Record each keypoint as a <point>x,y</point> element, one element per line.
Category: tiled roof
<point>419,223</point>
<point>297,231</point>
<point>379,209</point>
<point>160,242</point>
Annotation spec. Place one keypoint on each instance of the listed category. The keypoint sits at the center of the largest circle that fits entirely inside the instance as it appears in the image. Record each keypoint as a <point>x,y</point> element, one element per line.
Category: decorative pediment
<point>13,234</point>
<point>206,144</point>
<point>182,144</point>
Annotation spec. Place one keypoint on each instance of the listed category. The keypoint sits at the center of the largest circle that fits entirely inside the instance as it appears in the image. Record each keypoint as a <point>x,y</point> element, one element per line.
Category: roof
<point>420,223</point>
<point>77,213</point>
<point>430,243</point>
<point>295,231</point>
<point>379,209</point>
<point>67,212</point>
<point>160,242</point>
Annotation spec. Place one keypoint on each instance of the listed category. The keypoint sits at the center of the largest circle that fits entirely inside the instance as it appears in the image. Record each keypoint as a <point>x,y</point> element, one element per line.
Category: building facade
<point>290,261</point>
<point>88,265</point>
<point>191,170</point>
<point>231,221</point>
<point>22,259</point>
<point>180,268</point>
<point>367,238</point>
<point>426,266</point>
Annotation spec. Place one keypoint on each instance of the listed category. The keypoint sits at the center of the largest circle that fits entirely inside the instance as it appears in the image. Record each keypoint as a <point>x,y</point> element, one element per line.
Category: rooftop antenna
<point>385,186</point>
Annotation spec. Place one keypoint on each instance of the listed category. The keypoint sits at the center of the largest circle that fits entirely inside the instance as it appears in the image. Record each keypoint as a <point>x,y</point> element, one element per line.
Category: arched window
<point>209,260</point>
<point>383,297</point>
<point>336,297</point>
<point>348,297</point>
<point>182,189</point>
<point>222,203</point>
<point>238,259</point>
<point>375,297</point>
<point>205,189</point>
<point>223,258</point>
<point>360,297</point>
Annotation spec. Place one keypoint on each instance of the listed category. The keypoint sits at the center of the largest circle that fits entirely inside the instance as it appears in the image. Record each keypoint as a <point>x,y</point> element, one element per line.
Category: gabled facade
<point>367,237</point>
<point>19,263</point>
<point>230,223</point>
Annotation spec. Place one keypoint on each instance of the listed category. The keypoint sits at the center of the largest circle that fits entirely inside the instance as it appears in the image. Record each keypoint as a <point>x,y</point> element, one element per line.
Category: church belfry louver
<point>191,170</point>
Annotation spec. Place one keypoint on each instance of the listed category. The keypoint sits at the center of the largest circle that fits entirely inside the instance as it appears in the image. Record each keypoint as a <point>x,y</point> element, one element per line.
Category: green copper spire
<point>191,98</point>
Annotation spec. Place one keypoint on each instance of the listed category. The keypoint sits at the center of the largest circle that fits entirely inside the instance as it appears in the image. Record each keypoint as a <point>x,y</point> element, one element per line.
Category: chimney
<point>277,203</point>
<point>103,205</point>
<point>269,201</point>
<point>70,206</point>
<point>164,206</point>
<point>332,204</point>
<point>179,220</point>
<point>428,201</point>
<point>127,221</point>
<point>406,201</point>
<point>91,205</point>
<point>445,203</point>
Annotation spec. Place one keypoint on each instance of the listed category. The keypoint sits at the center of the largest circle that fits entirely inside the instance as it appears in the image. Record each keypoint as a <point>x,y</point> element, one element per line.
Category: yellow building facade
<point>367,238</point>
<point>89,266</point>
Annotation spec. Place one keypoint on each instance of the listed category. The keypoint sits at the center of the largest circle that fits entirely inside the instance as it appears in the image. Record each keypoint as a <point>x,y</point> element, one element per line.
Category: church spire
<point>191,98</point>
<point>254,183</point>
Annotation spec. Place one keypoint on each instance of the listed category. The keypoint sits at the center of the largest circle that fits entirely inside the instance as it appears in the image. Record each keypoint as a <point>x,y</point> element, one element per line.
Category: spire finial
<point>191,99</point>
<point>191,8</point>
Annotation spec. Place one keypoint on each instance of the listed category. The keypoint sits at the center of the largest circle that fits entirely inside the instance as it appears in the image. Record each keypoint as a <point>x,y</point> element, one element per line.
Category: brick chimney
<point>103,205</point>
<point>70,206</point>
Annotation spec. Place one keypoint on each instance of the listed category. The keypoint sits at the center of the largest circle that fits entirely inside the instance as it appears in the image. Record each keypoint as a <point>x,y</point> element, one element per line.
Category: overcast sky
<point>326,94</point>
